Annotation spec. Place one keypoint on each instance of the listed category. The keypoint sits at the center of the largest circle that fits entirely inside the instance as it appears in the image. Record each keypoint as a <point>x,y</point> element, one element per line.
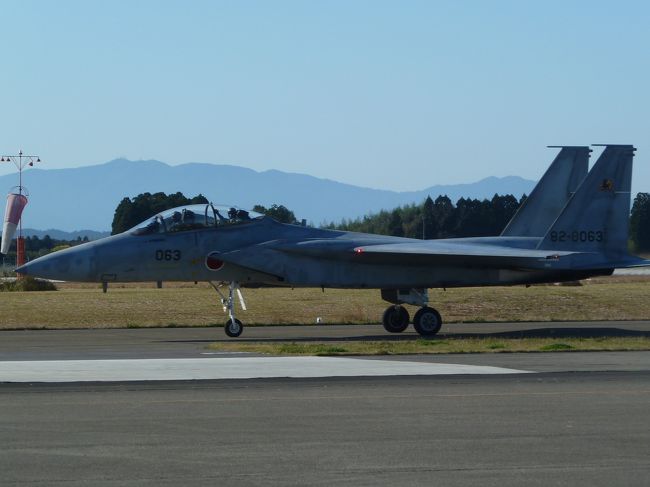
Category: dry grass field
<point>85,306</point>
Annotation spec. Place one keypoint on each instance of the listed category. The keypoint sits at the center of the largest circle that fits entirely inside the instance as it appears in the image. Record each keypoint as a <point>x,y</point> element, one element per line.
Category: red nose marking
<point>213,263</point>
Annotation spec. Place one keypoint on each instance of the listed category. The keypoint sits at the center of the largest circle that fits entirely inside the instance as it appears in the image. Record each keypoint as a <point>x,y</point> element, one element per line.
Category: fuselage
<point>194,255</point>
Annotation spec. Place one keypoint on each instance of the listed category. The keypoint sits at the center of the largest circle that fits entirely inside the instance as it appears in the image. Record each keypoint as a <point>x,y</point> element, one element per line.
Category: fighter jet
<point>572,227</point>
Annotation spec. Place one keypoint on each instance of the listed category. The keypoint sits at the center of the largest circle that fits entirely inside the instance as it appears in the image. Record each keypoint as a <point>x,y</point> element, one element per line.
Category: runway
<point>539,419</point>
<point>580,429</point>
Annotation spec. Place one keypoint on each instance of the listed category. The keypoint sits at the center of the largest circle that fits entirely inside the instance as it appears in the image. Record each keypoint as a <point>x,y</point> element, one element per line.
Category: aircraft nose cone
<point>74,264</point>
<point>23,269</point>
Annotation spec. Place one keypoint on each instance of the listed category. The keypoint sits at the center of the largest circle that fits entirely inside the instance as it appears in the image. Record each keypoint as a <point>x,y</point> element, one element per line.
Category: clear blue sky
<point>397,95</point>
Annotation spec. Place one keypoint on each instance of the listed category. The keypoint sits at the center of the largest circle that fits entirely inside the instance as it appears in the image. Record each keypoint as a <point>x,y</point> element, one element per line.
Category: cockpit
<point>194,217</point>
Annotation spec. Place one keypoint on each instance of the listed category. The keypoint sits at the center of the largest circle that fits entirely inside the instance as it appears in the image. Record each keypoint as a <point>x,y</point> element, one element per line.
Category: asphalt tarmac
<point>577,419</point>
<point>578,429</point>
<point>192,342</point>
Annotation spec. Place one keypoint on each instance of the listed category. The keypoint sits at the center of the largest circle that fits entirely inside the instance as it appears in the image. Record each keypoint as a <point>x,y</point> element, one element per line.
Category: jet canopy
<point>194,217</point>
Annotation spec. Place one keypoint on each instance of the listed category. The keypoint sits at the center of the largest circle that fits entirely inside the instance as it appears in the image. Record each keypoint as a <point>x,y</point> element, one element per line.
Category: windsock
<point>15,205</point>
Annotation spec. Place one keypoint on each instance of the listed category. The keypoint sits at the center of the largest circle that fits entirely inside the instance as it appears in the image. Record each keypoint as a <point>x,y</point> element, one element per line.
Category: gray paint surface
<point>551,193</point>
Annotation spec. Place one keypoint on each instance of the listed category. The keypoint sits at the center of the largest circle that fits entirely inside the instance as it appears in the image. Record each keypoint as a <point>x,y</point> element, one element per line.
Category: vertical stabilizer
<point>535,216</point>
<point>596,218</point>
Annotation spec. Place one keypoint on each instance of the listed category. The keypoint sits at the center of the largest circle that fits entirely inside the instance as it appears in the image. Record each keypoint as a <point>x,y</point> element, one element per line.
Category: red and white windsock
<point>15,205</point>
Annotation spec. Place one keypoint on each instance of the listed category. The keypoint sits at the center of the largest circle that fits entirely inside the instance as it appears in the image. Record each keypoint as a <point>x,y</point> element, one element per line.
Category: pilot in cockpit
<point>221,218</point>
<point>153,227</point>
<point>188,216</point>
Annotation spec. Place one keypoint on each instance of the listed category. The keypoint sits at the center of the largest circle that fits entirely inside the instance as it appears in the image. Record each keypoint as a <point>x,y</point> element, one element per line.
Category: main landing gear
<point>427,321</point>
<point>233,327</point>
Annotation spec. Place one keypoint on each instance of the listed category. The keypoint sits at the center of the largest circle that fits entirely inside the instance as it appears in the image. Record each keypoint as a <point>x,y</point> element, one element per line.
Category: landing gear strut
<point>233,327</point>
<point>427,321</point>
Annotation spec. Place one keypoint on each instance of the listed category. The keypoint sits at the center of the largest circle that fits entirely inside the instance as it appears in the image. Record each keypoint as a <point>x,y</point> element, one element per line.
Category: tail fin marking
<point>596,218</point>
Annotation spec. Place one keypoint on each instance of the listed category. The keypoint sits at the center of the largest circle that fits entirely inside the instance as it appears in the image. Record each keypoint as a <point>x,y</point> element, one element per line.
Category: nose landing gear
<point>233,327</point>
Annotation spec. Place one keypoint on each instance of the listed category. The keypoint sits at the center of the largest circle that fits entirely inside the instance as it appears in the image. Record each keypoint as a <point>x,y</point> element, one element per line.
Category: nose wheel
<point>234,328</point>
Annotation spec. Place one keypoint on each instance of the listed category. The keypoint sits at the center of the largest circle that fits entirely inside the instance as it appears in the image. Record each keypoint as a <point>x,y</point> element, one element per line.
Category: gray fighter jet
<point>571,227</point>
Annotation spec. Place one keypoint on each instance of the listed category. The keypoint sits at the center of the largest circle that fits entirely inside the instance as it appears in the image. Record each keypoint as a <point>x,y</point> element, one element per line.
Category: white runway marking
<point>635,271</point>
<point>224,368</point>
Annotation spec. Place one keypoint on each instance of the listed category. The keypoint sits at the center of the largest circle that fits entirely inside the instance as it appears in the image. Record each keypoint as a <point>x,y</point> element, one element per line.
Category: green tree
<point>640,223</point>
<point>443,212</point>
<point>277,212</point>
<point>502,210</point>
<point>430,224</point>
<point>395,227</point>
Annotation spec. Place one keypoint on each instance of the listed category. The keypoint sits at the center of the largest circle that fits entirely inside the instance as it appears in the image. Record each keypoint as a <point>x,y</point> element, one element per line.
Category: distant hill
<point>86,197</point>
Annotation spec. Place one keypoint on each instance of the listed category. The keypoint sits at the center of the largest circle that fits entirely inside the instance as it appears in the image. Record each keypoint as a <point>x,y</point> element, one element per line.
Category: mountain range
<point>86,197</point>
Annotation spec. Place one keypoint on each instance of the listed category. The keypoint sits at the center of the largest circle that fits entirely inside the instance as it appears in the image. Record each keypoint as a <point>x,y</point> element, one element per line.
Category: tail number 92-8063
<point>578,236</point>
<point>168,254</point>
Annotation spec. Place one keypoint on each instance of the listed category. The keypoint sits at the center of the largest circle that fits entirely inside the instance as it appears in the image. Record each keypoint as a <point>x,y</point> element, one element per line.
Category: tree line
<point>36,247</point>
<point>439,218</point>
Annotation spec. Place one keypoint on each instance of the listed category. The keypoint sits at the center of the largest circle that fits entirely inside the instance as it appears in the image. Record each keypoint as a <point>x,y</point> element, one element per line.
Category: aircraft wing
<point>269,257</point>
<point>442,253</point>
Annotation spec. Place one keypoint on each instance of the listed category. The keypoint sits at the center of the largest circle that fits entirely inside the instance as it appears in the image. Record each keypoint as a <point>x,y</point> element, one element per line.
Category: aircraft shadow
<point>534,333</point>
<point>298,339</point>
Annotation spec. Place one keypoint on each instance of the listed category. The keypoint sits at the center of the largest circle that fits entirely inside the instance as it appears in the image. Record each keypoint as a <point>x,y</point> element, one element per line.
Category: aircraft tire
<point>396,319</point>
<point>427,321</point>
<point>235,329</point>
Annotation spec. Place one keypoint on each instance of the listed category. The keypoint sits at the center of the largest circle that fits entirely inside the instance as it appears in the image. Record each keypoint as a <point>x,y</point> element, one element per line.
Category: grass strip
<point>438,346</point>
